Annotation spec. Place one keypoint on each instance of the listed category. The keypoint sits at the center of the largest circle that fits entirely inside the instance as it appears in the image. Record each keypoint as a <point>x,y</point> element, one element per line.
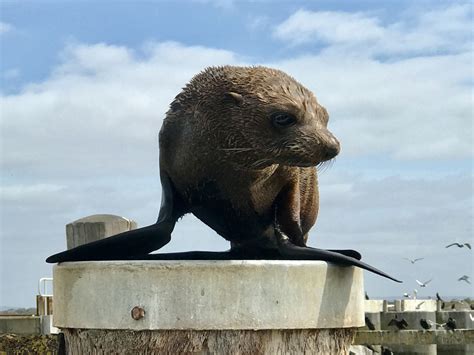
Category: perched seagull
<point>424,324</point>
<point>399,323</point>
<point>413,260</point>
<point>450,324</point>
<point>459,245</point>
<point>464,278</point>
<point>369,323</point>
<point>423,284</point>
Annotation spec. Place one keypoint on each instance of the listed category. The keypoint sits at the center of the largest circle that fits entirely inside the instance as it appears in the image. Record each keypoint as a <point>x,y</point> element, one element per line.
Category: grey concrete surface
<point>207,295</point>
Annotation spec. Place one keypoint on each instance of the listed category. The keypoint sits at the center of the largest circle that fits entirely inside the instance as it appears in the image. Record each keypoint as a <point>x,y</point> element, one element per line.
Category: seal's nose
<point>332,146</point>
<point>331,152</point>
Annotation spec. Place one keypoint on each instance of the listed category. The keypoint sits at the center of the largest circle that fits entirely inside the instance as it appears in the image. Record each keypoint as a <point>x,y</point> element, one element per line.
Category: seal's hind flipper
<point>347,252</point>
<point>134,243</point>
<point>290,251</point>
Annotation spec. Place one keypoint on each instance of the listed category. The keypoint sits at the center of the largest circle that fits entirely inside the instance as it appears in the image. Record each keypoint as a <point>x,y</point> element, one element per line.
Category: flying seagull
<point>423,284</point>
<point>459,245</point>
<point>407,295</point>
<point>464,278</point>
<point>413,260</point>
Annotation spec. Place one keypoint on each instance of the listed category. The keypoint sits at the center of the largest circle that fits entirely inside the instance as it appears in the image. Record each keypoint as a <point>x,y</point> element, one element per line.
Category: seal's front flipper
<point>291,251</point>
<point>134,243</point>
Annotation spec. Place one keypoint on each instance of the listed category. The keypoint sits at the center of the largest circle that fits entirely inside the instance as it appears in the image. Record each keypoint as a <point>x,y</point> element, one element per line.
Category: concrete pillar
<point>204,307</point>
<point>95,227</point>
<point>373,308</point>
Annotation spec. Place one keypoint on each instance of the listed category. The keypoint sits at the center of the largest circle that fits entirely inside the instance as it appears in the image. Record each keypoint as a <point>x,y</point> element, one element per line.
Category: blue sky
<point>85,86</point>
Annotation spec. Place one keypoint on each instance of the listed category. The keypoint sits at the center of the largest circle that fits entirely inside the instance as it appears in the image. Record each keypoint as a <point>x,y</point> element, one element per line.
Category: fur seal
<point>239,148</point>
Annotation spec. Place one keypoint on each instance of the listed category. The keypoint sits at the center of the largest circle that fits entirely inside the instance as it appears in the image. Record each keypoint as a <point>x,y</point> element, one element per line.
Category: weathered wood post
<point>208,307</point>
<point>95,227</point>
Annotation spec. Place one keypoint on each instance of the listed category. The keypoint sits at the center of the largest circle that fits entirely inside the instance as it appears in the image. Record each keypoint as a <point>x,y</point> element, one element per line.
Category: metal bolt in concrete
<point>138,313</point>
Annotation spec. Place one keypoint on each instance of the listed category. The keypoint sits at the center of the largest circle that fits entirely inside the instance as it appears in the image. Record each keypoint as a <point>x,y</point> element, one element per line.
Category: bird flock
<point>424,284</point>
<point>400,323</point>
<point>427,324</point>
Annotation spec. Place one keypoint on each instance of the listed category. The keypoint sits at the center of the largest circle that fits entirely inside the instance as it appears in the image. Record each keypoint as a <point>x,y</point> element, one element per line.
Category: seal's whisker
<point>259,163</point>
<point>325,165</point>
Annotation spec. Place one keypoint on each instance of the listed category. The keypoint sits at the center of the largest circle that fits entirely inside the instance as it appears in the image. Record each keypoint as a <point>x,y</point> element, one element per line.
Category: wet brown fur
<point>232,168</point>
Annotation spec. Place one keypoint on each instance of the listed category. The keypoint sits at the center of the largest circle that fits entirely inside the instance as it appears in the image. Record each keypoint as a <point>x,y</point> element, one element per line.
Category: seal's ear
<point>233,97</point>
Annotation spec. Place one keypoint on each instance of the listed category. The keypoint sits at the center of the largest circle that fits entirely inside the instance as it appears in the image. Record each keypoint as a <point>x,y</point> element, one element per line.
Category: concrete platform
<point>207,295</point>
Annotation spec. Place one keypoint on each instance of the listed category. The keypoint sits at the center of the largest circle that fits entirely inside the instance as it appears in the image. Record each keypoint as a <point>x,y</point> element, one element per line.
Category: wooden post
<point>95,227</point>
<point>208,307</point>
<point>44,305</point>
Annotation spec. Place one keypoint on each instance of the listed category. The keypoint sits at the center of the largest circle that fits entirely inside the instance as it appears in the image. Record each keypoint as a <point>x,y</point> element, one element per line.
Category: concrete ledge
<point>206,295</point>
<point>20,324</point>
<point>415,337</point>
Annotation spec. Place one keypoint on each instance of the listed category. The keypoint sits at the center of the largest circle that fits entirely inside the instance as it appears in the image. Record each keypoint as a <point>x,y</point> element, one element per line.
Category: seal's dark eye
<point>283,119</point>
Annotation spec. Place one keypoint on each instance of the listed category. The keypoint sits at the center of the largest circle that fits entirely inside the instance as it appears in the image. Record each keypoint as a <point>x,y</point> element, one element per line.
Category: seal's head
<point>259,116</point>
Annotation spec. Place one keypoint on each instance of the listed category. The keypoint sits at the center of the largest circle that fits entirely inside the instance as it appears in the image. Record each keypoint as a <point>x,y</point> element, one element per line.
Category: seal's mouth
<point>303,160</point>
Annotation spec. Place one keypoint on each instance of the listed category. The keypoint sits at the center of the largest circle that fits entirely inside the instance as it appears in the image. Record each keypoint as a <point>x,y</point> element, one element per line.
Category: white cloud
<point>444,29</point>
<point>334,27</point>
<point>5,28</point>
<point>100,111</point>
